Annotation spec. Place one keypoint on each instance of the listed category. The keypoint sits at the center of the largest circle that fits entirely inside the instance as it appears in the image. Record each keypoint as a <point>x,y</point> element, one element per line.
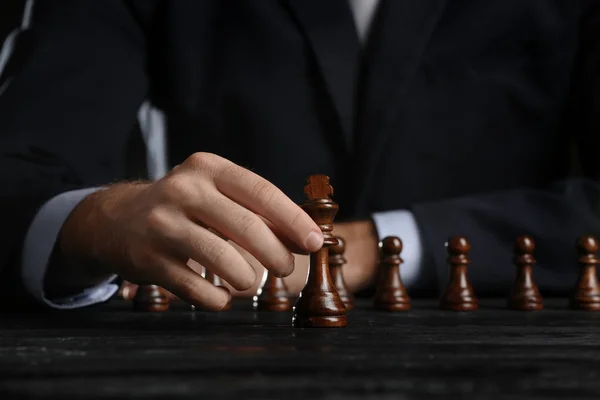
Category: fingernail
<point>314,241</point>
<point>224,305</point>
<point>290,268</point>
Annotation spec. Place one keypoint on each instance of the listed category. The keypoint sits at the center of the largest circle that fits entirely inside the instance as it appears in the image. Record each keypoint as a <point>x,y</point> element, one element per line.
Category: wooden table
<point>112,352</point>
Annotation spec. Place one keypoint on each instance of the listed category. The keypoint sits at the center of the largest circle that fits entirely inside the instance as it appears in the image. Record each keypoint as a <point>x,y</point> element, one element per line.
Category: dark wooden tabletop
<point>110,352</point>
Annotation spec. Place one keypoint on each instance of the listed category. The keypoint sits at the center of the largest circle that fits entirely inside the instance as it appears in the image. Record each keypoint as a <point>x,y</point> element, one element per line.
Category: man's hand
<point>362,254</point>
<point>147,232</point>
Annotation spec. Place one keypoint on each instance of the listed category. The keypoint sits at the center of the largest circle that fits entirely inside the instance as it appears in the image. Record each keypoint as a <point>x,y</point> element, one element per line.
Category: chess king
<point>319,304</point>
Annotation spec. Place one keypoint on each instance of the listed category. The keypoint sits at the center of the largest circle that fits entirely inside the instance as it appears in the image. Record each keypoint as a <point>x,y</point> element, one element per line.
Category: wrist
<point>89,238</point>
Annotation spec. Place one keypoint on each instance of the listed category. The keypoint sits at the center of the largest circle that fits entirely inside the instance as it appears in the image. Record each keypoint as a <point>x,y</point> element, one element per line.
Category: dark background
<point>10,16</point>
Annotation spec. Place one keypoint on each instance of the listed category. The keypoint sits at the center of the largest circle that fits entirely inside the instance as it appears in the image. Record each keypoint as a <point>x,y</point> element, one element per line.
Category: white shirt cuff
<point>39,244</point>
<point>402,223</point>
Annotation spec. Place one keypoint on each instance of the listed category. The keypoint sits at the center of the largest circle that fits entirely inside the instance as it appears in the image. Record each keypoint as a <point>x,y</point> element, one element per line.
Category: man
<point>432,118</point>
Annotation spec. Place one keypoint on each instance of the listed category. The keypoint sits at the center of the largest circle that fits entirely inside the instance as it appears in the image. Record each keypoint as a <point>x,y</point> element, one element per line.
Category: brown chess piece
<point>459,295</point>
<point>127,290</point>
<point>319,304</point>
<point>336,263</point>
<point>525,294</point>
<point>274,295</point>
<point>390,294</point>
<point>151,298</point>
<point>216,281</point>
<point>587,292</point>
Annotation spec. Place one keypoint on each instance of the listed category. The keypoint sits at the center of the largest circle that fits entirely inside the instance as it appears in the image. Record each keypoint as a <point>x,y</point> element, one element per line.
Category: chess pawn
<point>216,281</point>
<point>390,294</point>
<point>319,304</point>
<point>587,292</point>
<point>127,290</point>
<point>274,295</point>
<point>459,295</point>
<point>525,294</point>
<point>151,298</point>
<point>336,262</point>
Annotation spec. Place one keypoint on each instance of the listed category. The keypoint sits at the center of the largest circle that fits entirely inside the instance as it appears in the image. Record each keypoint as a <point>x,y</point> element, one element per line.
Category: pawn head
<point>524,245</point>
<point>587,244</point>
<point>338,248</point>
<point>391,245</point>
<point>458,245</point>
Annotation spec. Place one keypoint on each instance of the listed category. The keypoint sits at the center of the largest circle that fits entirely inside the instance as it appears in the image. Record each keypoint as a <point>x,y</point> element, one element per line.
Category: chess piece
<point>319,304</point>
<point>336,263</point>
<point>215,280</point>
<point>274,295</point>
<point>151,298</point>
<point>587,292</point>
<point>127,290</point>
<point>390,294</point>
<point>459,295</point>
<point>524,294</point>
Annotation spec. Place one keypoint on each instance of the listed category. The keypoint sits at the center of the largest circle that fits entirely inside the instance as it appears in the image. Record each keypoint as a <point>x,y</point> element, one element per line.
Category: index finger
<point>267,200</point>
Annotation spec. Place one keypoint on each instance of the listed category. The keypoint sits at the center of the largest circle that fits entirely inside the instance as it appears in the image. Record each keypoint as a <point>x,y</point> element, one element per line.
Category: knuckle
<point>265,192</point>
<point>203,162</point>
<point>157,219</point>
<point>215,252</point>
<point>247,223</point>
<point>177,186</point>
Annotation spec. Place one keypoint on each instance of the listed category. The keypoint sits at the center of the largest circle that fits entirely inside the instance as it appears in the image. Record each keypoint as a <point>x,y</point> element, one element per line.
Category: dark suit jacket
<point>465,112</point>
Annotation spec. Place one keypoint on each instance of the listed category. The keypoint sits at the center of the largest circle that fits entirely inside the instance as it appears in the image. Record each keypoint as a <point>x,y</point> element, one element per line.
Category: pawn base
<point>277,306</point>
<point>151,307</point>
<point>400,306</point>
<point>526,306</point>
<point>466,306</point>
<point>336,321</point>
<point>592,304</point>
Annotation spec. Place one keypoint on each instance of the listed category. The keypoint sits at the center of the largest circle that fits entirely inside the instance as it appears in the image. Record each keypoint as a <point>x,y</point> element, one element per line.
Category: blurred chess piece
<point>274,295</point>
<point>459,295</point>
<point>127,290</point>
<point>587,291</point>
<point>336,264</point>
<point>151,298</point>
<point>525,294</point>
<point>391,294</point>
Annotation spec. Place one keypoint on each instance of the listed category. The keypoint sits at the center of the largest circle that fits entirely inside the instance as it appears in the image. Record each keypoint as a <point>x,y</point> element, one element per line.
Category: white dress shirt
<point>44,230</point>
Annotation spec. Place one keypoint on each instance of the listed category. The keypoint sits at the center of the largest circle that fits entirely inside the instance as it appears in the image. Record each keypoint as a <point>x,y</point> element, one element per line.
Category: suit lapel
<point>330,32</point>
<point>398,38</point>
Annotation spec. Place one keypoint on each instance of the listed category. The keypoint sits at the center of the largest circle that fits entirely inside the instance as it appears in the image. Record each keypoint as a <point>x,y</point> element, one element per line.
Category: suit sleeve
<point>555,216</point>
<point>66,111</point>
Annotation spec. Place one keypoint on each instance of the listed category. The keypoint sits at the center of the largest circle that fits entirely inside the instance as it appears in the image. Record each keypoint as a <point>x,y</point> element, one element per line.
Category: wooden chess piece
<point>127,290</point>
<point>587,291</point>
<point>151,298</point>
<point>274,295</point>
<point>525,294</point>
<point>336,263</point>
<point>216,281</point>
<point>459,295</point>
<point>391,294</point>
<point>319,304</point>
